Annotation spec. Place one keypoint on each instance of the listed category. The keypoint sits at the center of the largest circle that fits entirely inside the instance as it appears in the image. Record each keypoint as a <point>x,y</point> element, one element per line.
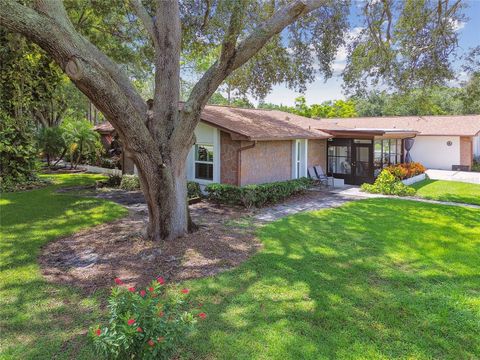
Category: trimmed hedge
<point>132,183</point>
<point>256,195</point>
<point>193,190</point>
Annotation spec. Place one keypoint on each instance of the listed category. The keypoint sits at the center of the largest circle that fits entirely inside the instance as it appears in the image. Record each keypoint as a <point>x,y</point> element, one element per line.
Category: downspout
<point>239,160</point>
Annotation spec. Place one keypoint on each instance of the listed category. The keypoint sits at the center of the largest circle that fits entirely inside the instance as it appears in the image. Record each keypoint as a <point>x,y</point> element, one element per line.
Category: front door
<point>351,160</point>
<point>362,166</point>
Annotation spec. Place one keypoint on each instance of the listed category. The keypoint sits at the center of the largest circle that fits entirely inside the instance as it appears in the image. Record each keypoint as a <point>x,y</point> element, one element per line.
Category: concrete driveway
<point>463,176</point>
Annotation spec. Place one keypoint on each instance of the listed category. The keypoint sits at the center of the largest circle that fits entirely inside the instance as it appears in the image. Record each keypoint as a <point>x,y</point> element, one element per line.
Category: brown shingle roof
<point>260,124</point>
<point>254,124</point>
<point>453,125</point>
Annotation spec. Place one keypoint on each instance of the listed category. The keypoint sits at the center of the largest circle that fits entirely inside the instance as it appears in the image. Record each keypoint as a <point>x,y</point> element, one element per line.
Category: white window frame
<point>299,158</point>
<point>216,160</point>
<point>195,161</point>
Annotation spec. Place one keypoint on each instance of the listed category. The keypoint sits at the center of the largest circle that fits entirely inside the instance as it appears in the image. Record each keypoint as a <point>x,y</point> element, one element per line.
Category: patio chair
<point>317,173</point>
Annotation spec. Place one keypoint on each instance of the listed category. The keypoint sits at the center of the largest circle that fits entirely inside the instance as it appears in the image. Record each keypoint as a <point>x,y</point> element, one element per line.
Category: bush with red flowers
<point>405,171</point>
<point>145,324</point>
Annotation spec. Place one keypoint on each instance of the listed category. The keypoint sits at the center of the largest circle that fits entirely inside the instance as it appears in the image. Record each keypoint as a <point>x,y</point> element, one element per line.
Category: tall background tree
<point>274,41</point>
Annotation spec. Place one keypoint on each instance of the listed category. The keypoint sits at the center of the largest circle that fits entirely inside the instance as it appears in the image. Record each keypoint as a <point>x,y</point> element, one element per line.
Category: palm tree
<point>51,143</point>
<point>79,135</point>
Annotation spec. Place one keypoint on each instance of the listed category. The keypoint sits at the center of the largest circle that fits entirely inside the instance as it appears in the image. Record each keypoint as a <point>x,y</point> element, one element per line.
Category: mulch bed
<point>92,258</point>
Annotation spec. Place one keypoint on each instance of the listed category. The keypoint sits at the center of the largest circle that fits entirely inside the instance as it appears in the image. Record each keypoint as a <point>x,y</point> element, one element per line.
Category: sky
<point>319,90</point>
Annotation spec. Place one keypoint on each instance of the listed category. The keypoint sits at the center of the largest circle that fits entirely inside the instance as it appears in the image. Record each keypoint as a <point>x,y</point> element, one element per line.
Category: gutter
<point>239,160</point>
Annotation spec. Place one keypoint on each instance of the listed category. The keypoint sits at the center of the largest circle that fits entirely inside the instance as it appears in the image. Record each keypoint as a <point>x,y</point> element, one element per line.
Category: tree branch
<point>245,50</point>
<point>146,19</point>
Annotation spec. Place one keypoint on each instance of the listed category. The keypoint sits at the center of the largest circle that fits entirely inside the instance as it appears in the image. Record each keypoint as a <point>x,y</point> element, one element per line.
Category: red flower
<point>202,315</point>
<point>150,289</point>
<point>118,281</point>
<point>150,342</point>
<point>131,289</point>
<point>131,322</point>
<point>98,332</point>
<point>160,338</point>
<point>161,313</point>
<point>139,329</point>
<point>161,280</point>
<point>185,291</point>
<point>143,293</point>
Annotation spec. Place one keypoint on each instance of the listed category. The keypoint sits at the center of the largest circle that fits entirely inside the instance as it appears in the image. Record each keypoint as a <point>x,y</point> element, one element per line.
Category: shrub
<point>193,190</point>
<point>387,184</point>
<point>257,195</point>
<point>18,156</point>
<point>130,183</point>
<point>405,171</point>
<point>146,324</point>
<point>476,164</point>
<point>107,163</point>
<point>113,181</point>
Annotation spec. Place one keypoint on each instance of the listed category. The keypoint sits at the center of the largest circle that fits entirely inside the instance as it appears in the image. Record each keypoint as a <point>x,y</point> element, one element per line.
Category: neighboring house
<point>251,146</point>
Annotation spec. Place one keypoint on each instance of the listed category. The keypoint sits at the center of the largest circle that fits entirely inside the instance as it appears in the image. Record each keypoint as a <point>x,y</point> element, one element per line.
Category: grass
<point>38,319</point>
<point>454,191</point>
<point>374,279</point>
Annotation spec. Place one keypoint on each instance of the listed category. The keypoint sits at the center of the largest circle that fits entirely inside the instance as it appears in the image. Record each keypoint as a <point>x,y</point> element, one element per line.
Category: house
<point>250,146</point>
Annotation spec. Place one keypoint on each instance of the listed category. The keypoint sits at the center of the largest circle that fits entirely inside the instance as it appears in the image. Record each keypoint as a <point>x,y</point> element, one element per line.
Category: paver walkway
<point>324,199</point>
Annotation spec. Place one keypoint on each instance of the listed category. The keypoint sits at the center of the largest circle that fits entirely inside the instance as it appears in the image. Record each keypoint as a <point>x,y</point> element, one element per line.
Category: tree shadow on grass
<point>373,279</point>
<point>38,320</point>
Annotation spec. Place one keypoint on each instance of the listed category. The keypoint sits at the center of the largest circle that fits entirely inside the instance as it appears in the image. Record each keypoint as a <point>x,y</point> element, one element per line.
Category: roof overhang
<point>368,133</point>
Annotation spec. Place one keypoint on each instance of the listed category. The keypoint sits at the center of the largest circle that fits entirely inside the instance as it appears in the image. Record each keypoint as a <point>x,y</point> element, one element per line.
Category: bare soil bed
<point>92,258</point>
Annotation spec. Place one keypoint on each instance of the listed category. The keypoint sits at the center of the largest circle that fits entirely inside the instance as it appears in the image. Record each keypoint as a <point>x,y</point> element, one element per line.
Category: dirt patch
<point>92,258</point>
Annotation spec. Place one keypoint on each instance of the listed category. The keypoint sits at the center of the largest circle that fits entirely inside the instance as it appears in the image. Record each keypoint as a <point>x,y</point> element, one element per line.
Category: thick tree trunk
<point>164,186</point>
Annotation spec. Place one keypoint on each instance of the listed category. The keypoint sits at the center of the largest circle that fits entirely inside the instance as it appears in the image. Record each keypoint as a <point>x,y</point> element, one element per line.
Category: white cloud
<point>340,60</point>
<point>458,25</point>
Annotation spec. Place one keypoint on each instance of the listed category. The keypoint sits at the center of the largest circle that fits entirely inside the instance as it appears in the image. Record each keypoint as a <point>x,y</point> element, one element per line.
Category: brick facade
<point>466,151</point>
<point>317,153</point>
<point>228,159</point>
<point>268,161</point>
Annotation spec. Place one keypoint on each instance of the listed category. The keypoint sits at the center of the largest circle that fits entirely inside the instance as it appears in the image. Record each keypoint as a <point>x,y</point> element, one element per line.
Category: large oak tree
<point>280,41</point>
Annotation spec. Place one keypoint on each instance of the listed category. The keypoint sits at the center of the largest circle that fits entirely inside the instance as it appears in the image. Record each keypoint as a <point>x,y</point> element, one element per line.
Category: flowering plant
<point>145,324</point>
<point>405,171</point>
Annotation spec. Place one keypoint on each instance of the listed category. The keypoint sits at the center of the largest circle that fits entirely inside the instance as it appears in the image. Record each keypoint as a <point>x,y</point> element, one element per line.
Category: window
<point>339,159</point>
<point>204,162</point>
<point>387,152</point>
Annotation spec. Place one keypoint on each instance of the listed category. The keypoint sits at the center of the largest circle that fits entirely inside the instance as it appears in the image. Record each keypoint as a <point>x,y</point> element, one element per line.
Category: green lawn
<point>38,319</point>
<point>374,279</point>
<point>449,191</point>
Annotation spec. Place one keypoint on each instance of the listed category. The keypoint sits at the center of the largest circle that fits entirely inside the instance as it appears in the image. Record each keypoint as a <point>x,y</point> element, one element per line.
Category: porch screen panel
<point>339,159</point>
<point>387,152</point>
